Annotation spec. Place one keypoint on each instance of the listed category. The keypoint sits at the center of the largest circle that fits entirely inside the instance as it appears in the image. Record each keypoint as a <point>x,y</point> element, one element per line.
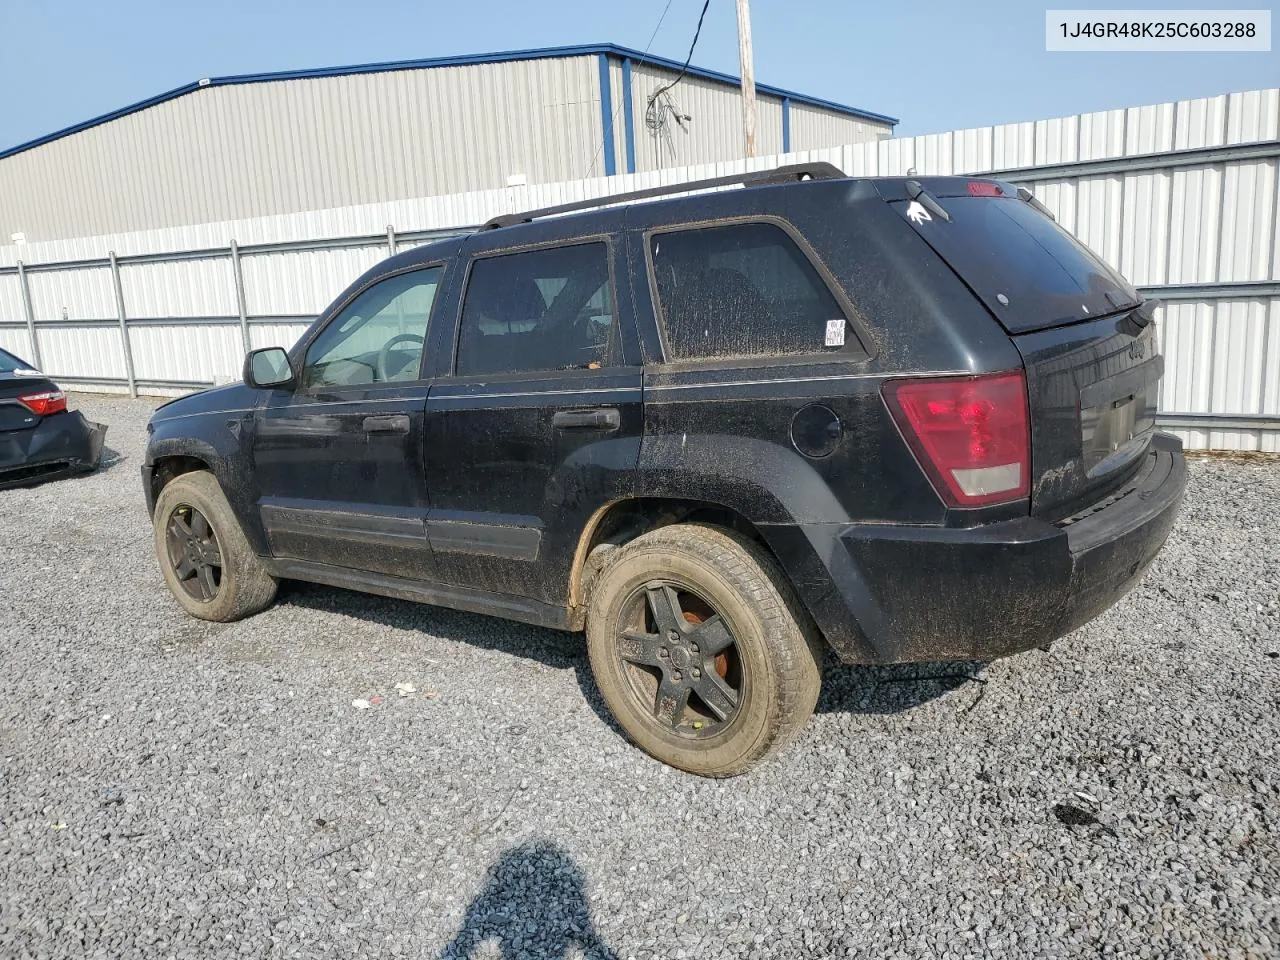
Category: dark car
<point>908,419</point>
<point>40,439</point>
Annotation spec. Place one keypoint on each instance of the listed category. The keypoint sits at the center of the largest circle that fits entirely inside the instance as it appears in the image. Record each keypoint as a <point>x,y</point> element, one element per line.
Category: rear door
<point>537,424</point>
<point>1093,364</point>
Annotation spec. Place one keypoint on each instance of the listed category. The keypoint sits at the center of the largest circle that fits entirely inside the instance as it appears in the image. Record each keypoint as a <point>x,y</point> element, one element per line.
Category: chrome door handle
<point>395,424</point>
<point>597,418</point>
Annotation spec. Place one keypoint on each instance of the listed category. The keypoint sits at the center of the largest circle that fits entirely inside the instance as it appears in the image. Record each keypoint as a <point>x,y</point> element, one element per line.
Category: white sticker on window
<point>835,333</point>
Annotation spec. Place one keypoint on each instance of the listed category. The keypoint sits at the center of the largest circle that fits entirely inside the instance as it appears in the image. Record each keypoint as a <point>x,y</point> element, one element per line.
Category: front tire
<point>206,561</point>
<point>701,650</point>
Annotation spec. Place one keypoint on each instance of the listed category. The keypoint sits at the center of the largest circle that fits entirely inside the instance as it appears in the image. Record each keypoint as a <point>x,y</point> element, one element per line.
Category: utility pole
<point>747,66</point>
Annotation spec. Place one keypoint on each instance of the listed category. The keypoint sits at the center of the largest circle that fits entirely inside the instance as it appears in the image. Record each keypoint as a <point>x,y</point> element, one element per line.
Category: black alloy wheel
<point>680,659</point>
<point>194,553</point>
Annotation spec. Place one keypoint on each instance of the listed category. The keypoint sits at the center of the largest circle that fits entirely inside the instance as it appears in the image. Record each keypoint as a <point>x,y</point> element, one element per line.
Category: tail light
<point>970,434</point>
<point>43,404</point>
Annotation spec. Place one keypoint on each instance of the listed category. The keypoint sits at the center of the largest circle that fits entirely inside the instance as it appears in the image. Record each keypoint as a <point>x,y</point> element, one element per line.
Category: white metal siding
<point>82,351</point>
<point>1207,223</point>
<point>264,148</point>
<point>814,127</point>
<point>72,294</point>
<point>181,288</point>
<point>188,351</point>
<point>714,132</point>
<point>11,310</point>
<point>277,147</point>
<point>302,283</point>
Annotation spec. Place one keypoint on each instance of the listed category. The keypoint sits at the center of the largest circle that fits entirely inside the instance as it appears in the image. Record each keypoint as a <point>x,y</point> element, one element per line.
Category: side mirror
<point>268,369</point>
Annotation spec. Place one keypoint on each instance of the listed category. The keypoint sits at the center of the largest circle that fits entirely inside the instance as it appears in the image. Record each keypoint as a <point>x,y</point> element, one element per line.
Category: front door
<point>540,423</point>
<point>339,458</point>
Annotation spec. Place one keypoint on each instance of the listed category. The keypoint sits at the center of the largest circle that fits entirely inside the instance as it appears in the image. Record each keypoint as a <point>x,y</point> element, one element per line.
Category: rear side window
<point>743,290</point>
<point>540,310</point>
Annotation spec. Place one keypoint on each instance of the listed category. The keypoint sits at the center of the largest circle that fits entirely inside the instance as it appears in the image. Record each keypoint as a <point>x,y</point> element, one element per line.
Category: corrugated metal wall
<point>263,148</point>
<point>813,128</point>
<point>1182,197</point>
<point>715,130</point>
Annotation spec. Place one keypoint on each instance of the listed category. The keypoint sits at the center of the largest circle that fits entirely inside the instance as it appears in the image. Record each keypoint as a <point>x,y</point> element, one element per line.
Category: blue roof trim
<point>544,53</point>
<point>105,118</point>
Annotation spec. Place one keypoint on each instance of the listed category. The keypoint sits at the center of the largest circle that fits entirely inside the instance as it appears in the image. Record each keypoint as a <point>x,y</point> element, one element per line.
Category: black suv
<point>908,419</point>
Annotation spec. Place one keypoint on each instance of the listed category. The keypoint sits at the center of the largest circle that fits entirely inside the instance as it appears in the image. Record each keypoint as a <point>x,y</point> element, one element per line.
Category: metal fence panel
<point>275,334</point>
<point>85,350</point>
<point>11,310</point>
<point>179,288</point>
<point>15,340</point>
<point>1195,210</point>
<point>187,352</point>
<point>85,294</point>
<point>303,282</point>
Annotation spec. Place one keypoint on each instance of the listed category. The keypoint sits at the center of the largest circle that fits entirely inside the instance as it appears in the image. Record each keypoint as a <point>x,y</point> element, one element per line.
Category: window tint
<point>1030,272</point>
<point>541,310</point>
<point>378,337</point>
<point>743,290</point>
<point>10,363</point>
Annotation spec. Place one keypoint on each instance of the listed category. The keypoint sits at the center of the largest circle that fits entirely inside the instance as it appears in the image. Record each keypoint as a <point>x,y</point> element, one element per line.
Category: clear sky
<point>937,66</point>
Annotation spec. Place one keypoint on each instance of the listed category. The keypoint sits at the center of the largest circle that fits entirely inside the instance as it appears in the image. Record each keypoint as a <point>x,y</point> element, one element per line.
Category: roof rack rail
<point>756,178</point>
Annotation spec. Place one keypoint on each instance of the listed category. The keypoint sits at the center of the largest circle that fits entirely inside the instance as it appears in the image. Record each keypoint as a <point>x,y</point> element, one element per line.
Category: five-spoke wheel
<point>700,649</point>
<point>209,566</point>
<point>680,657</point>
<point>193,552</point>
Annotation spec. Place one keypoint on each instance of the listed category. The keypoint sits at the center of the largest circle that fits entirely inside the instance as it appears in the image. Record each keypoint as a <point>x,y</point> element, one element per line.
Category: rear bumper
<point>58,446</point>
<point>905,594</point>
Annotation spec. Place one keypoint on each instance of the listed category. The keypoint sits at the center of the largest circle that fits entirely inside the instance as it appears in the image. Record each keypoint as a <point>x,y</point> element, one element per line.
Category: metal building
<point>247,146</point>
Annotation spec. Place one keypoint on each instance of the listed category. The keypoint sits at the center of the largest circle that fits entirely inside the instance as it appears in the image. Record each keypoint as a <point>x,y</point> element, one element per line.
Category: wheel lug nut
<point>693,647</point>
<point>696,673</point>
<point>663,653</point>
<point>673,636</point>
<point>677,675</point>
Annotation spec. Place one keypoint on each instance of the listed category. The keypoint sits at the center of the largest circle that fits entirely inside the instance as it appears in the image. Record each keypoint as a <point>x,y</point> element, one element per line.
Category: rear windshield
<point>1030,272</point>
<point>10,363</point>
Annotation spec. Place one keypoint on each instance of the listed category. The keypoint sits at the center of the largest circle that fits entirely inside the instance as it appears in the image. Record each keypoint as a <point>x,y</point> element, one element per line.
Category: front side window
<point>540,310</point>
<point>378,338</point>
<point>743,290</point>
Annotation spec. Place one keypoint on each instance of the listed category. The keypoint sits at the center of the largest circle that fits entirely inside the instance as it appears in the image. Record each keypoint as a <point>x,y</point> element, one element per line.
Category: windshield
<point>1030,272</point>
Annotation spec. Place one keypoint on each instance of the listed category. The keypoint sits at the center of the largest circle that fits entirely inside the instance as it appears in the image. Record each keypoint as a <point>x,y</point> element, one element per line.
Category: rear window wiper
<point>920,195</point>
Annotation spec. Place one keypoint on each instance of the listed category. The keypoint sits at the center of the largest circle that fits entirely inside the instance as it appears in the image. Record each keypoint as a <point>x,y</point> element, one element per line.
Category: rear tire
<point>206,561</point>
<point>701,649</point>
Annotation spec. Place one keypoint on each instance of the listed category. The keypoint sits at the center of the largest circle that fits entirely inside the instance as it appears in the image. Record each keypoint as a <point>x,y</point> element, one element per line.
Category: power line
<point>591,166</point>
<point>660,105</point>
<point>687,60</point>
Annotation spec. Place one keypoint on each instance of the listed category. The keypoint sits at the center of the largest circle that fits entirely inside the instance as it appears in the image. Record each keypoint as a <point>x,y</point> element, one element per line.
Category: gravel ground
<point>177,788</point>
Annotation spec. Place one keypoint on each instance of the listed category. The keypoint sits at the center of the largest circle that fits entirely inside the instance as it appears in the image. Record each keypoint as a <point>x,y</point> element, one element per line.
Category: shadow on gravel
<point>851,689</point>
<point>110,458</point>
<point>845,689</point>
<point>534,907</point>
<point>552,648</point>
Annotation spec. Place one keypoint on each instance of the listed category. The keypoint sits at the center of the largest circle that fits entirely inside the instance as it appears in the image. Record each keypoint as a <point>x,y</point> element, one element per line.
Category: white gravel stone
<point>222,798</point>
